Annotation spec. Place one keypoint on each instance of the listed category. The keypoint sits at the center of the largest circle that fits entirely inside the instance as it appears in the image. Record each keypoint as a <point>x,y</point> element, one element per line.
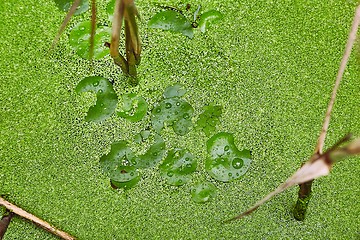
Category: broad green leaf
<point>64,5</point>
<point>210,16</point>
<point>172,21</point>
<point>117,164</point>
<point>134,107</point>
<point>177,166</point>
<point>105,94</point>
<point>174,91</point>
<point>80,40</point>
<point>226,162</point>
<point>125,185</point>
<point>174,112</point>
<point>209,119</point>
<point>203,192</point>
<point>153,155</point>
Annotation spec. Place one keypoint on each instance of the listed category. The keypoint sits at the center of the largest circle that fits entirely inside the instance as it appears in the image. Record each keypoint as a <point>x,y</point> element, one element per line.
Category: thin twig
<point>65,22</point>
<point>93,29</point>
<point>22,213</point>
<point>344,61</point>
<point>317,165</point>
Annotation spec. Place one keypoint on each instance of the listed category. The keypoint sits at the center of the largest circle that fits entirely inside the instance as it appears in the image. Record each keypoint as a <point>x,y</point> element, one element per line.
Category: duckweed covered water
<point>270,65</point>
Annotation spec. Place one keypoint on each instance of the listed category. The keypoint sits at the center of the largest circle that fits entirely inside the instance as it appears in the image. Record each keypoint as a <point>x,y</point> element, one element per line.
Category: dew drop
<point>178,104</point>
<point>96,83</point>
<point>186,116</point>
<point>168,105</point>
<point>100,91</point>
<point>158,110</point>
<point>237,163</point>
<point>226,148</point>
<point>170,174</point>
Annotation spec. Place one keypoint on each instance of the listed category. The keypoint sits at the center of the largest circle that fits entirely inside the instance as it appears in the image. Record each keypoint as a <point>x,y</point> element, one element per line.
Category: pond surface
<point>270,66</point>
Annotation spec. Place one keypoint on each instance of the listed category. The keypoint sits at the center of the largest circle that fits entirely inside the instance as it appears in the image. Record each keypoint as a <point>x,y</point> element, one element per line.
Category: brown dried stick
<point>65,22</point>
<point>344,61</point>
<point>22,213</point>
<point>317,166</point>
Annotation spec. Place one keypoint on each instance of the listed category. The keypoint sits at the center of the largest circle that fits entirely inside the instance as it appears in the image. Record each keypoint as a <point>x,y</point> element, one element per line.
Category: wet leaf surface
<point>172,21</point>
<point>106,97</point>
<point>134,107</point>
<point>173,111</point>
<point>226,162</point>
<point>203,192</point>
<point>207,17</point>
<point>178,166</point>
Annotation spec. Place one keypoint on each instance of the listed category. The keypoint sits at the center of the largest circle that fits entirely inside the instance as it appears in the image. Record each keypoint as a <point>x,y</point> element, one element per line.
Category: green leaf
<point>172,21</point>
<point>226,162</point>
<point>105,94</point>
<point>80,40</point>
<point>177,166</point>
<point>203,192</point>
<point>174,112</point>
<point>153,155</point>
<point>64,5</point>
<point>174,91</point>
<point>209,119</point>
<point>125,185</point>
<point>134,108</point>
<point>117,164</point>
<point>210,16</point>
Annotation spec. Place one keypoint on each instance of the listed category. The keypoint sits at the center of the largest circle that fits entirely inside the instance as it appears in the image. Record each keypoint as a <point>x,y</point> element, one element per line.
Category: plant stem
<point>22,213</point>
<point>4,223</point>
<point>305,188</point>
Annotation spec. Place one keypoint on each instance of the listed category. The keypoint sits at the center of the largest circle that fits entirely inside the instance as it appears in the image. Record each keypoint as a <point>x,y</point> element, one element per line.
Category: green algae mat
<point>254,85</point>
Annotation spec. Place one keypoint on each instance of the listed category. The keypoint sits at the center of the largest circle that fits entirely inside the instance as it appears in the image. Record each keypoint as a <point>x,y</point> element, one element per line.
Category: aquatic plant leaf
<point>118,163</point>
<point>141,136</point>
<point>176,90</point>
<point>106,97</point>
<point>64,5</point>
<point>203,192</point>
<point>172,21</point>
<point>125,185</point>
<point>80,40</point>
<point>134,108</point>
<point>174,112</point>
<point>177,166</point>
<point>226,162</point>
<point>153,155</point>
<point>209,119</point>
<point>210,16</point>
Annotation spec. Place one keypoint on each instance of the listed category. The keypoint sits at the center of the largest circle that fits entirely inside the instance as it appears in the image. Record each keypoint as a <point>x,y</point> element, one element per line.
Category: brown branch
<point>304,194</point>
<point>4,223</point>
<point>343,63</point>
<point>65,22</point>
<point>22,213</point>
<point>93,29</point>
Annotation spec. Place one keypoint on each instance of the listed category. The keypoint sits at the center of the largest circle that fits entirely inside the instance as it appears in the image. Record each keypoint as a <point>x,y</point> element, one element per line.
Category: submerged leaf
<point>80,40</point>
<point>64,5</point>
<point>226,162</point>
<point>177,166</point>
<point>134,108</point>
<point>118,165</point>
<point>203,192</point>
<point>210,16</point>
<point>172,21</point>
<point>106,97</point>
